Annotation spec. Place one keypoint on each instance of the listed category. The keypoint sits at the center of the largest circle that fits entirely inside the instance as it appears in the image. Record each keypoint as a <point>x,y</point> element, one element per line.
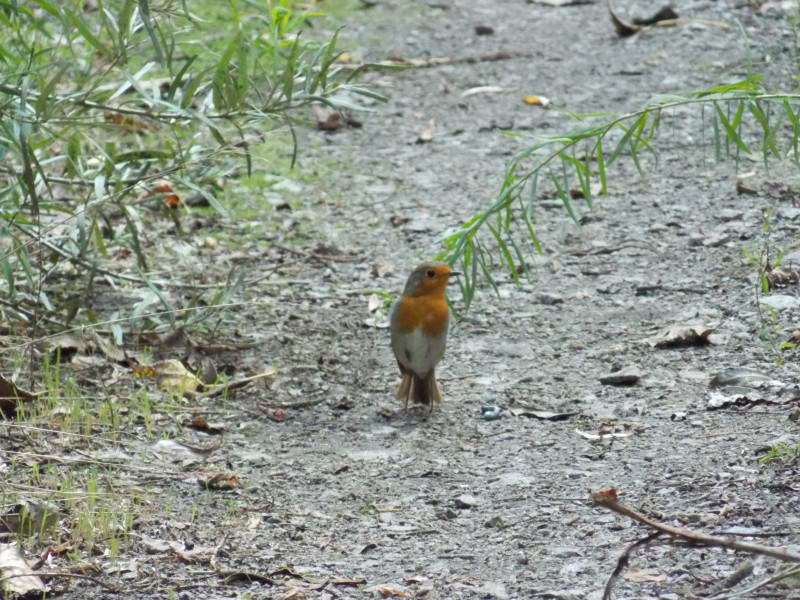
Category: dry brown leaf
<point>200,424</point>
<point>677,336</point>
<point>390,591</point>
<point>327,118</point>
<point>164,190</point>
<point>219,481</point>
<point>782,276</point>
<point>11,396</point>
<point>129,123</point>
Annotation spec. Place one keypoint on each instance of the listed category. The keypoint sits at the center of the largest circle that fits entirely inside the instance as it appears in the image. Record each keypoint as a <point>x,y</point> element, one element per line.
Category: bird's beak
<point>453,274</point>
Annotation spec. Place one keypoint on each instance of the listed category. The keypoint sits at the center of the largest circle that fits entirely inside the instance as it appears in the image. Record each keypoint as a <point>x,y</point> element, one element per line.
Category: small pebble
<point>491,412</point>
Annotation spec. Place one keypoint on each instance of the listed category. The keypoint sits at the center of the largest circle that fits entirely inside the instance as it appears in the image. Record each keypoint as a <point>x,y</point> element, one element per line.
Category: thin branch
<point>607,498</point>
<point>623,561</point>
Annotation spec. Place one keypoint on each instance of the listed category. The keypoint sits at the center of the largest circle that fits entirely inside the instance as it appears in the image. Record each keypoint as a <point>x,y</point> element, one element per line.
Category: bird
<point>419,323</point>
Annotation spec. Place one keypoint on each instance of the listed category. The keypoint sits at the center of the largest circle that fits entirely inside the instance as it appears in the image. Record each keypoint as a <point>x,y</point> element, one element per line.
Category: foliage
<point>574,163</point>
<point>100,103</point>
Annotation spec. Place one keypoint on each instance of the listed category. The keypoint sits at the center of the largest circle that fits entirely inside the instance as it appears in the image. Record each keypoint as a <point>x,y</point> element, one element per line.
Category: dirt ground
<point>345,496</point>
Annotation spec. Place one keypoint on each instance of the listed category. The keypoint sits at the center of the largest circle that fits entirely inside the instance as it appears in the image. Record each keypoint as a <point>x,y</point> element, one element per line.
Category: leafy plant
<point>574,163</point>
<point>103,110</point>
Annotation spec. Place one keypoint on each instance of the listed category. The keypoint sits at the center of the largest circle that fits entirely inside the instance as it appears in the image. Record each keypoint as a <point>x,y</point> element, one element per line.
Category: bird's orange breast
<point>428,312</point>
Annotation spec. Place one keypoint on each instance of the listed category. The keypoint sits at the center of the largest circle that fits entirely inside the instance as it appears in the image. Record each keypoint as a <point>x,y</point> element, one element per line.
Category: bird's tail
<point>420,390</point>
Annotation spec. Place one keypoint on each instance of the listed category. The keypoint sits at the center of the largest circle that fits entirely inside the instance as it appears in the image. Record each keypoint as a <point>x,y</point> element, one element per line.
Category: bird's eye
<point>431,273</point>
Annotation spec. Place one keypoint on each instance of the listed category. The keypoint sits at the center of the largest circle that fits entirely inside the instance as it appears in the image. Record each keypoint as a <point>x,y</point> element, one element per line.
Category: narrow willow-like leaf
<point>534,239</point>
<point>562,194</point>
<point>141,260</point>
<point>86,32</point>
<point>224,93</point>
<point>144,11</point>
<point>795,122</point>
<point>769,133</point>
<point>730,130</point>
<point>501,244</point>
<point>177,81</point>
<point>621,144</point>
<point>480,255</point>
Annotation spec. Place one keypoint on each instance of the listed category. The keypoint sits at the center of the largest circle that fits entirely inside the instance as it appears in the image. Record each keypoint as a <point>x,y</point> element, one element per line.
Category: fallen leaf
<point>219,481</point>
<point>485,89</point>
<point>180,449</point>
<point>665,13</point>
<point>15,574</point>
<point>200,424</point>
<point>428,132</point>
<point>327,118</point>
<point>644,575</point>
<point>129,123</point>
<point>782,276</point>
<point>388,591</point>
<point>627,376</point>
<point>11,396</point>
<point>164,191</point>
<point>679,336</point>
<point>536,101</point>
<point>171,375</point>
<point>382,269</point>
<point>623,29</point>
<point>374,302</point>
<point>544,415</point>
<point>596,437</point>
<point>741,188</point>
<point>397,220</point>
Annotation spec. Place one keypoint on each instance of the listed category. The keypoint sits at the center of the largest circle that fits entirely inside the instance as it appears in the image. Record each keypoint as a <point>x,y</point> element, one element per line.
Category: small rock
<point>495,521</point>
<point>743,377</point>
<point>491,412</point>
<point>729,214</point>
<point>493,589</point>
<point>465,501</point>
<point>548,299</point>
<point>627,376</point>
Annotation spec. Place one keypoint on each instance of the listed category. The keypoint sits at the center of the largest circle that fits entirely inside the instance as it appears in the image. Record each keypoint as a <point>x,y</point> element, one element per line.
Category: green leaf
<point>84,30</point>
<point>730,129</point>
<point>144,11</point>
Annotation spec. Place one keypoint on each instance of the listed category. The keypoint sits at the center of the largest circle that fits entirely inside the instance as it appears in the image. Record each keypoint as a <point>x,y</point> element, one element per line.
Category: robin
<point>419,332</point>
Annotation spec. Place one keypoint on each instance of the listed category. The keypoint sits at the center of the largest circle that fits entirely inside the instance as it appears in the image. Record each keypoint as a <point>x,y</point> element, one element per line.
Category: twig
<point>213,560</point>
<point>623,561</point>
<point>735,578</point>
<point>99,582</point>
<point>607,498</point>
<point>446,60</point>
<point>789,572</point>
